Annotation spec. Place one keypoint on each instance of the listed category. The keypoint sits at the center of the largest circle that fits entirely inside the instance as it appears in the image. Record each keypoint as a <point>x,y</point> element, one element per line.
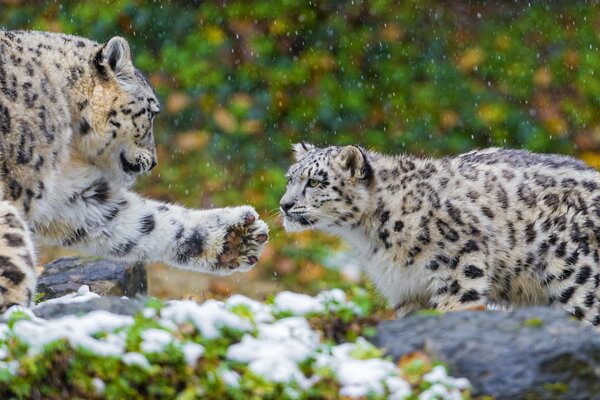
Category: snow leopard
<point>76,130</point>
<point>495,226</point>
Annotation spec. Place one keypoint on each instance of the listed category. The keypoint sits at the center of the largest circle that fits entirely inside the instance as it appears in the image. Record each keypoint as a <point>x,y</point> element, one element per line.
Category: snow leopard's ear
<point>114,56</point>
<point>354,160</point>
<point>300,149</point>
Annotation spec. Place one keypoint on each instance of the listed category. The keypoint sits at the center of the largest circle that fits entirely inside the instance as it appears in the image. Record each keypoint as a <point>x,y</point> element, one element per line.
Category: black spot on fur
<point>560,250</point>
<point>455,287</point>
<point>453,262</point>
<point>414,251</point>
<point>443,258</point>
<point>76,237</point>
<point>432,265</point>
<point>487,212</point>
<point>578,312</point>
<point>469,247</point>
<point>469,296</point>
<point>398,225</point>
<point>583,275</point>
<point>110,213</point>
<point>590,299</point>
<point>530,233</point>
<point>10,271</point>
<point>527,195</point>
<point>123,249</point>
<point>502,197</point>
<point>191,247</point>
<point>14,240</point>
<point>101,191</point>
<point>473,272</point>
<point>148,224</point>
<point>5,121</point>
<point>384,217</point>
<point>84,127</point>
<point>98,64</point>
<point>565,274</point>
<point>445,230</point>
<point>566,295</point>
<point>454,213</point>
<point>15,189</point>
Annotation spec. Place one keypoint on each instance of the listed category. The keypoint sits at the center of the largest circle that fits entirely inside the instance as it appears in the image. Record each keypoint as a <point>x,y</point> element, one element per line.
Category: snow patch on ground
<point>208,317</point>
<point>275,340</point>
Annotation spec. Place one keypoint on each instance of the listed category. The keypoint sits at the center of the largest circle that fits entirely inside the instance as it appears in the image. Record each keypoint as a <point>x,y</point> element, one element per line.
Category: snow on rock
<point>208,317</point>
<point>83,294</point>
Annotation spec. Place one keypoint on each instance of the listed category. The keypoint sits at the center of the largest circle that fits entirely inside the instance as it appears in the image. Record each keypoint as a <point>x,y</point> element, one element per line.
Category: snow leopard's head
<point>327,188</point>
<point>118,129</point>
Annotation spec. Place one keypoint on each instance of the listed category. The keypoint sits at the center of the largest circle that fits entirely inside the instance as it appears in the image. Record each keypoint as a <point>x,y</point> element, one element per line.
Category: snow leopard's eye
<point>313,183</point>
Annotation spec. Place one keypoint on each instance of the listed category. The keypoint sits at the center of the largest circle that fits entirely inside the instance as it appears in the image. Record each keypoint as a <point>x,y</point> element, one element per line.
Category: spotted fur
<point>507,227</point>
<point>75,132</point>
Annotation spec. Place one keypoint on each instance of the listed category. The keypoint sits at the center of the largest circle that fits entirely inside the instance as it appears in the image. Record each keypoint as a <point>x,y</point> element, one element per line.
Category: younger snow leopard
<point>75,132</point>
<point>507,227</point>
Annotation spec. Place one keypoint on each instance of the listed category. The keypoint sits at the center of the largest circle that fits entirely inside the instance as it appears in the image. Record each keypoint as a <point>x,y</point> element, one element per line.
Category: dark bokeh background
<point>242,80</point>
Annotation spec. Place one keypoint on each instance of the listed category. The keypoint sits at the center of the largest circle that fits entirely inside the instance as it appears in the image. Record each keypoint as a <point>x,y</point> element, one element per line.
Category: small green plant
<point>533,322</point>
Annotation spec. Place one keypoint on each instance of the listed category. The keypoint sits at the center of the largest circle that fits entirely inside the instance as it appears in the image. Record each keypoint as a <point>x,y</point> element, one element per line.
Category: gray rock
<point>531,353</point>
<point>104,277</point>
<point>115,305</point>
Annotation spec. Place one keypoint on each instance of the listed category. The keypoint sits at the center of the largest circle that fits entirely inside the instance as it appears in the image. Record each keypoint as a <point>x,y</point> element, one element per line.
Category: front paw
<point>222,241</point>
<point>243,243</point>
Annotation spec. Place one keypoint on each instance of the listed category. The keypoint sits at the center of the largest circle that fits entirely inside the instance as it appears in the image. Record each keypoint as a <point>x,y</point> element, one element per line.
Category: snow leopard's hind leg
<point>17,271</point>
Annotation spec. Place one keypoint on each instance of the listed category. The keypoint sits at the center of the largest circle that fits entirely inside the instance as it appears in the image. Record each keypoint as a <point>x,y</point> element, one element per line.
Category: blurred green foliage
<point>242,80</point>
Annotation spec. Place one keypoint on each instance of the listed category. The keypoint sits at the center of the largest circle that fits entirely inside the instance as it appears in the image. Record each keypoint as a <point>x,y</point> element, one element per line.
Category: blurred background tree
<point>242,80</point>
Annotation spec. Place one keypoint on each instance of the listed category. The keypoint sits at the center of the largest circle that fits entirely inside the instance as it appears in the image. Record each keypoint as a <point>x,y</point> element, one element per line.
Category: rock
<point>115,305</point>
<point>104,277</point>
<point>530,353</point>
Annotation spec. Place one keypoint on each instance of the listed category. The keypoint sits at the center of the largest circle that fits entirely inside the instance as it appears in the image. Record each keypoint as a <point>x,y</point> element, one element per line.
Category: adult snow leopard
<point>75,131</point>
<point>499,226</point>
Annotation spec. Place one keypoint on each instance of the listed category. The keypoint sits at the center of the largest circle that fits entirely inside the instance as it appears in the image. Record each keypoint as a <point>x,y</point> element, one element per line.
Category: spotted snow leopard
<point>507,227</point>
<point>75,132</point>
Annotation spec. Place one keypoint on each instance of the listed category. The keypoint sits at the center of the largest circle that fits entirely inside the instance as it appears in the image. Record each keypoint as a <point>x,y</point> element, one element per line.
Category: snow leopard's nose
<point>285,206</point>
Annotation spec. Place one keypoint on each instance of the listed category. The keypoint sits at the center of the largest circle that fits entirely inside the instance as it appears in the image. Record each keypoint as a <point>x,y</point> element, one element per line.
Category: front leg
<point>119,224</point>
<point>224,240</point>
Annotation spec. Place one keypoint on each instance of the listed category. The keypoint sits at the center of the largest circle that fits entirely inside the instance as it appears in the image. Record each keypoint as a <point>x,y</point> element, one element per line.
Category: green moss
<point>430,313</point>
<point>556,388</point>
<point>533,322</point>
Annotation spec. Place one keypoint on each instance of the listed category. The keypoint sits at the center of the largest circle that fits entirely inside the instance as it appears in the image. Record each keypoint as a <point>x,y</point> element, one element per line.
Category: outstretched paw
<point>244,242</point>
